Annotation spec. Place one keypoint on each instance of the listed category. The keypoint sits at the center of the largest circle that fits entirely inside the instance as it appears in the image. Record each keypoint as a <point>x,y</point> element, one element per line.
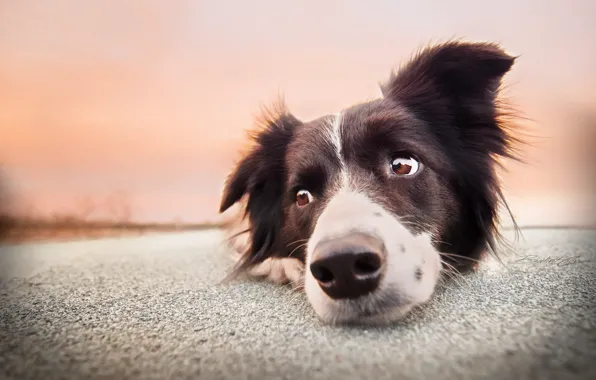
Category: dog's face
<point>377,198</point>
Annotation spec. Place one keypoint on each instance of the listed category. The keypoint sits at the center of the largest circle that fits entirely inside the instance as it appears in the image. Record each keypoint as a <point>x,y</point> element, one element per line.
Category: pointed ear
<point>271,138</point>
<point>261,176</point>
<point>453,88</point>
<point>237,182</point>
<point>454,69</point>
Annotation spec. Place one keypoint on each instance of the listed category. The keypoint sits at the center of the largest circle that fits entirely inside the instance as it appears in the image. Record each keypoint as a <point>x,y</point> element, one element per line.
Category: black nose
<point>347,274</point>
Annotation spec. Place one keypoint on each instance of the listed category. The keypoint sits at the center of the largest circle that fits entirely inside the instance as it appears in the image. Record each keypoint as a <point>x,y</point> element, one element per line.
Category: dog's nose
<point>347,270</point>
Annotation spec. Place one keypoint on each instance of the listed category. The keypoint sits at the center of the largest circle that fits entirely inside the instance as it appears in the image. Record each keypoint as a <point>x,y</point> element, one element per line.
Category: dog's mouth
<point>379,308</point>
<point>381,315</point>
<point>385,303</point>
<point>379,312</point>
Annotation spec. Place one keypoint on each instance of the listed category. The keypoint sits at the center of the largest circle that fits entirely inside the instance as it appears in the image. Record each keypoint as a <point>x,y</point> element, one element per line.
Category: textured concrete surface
<point>152,308</point>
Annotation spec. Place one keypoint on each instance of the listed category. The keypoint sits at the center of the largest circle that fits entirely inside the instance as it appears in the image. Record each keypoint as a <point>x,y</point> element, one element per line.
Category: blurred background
<point>133,112</point>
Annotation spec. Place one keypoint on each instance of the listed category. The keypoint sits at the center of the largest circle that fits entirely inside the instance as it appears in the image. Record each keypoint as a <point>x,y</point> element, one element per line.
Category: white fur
<point>280,271</point>
<point>336,135</point>
<point>335,138</point>
<point>405,253</point>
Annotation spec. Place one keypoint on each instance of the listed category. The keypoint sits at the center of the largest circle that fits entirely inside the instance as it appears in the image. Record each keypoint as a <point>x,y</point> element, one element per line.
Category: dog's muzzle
<point>363,263</point>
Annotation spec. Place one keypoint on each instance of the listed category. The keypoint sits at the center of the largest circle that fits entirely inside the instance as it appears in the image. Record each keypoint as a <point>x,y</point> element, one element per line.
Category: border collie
<point>366,208</point>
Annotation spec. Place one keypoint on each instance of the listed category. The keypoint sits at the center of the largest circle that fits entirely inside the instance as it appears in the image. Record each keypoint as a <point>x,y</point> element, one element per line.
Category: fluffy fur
<point>441,110</point>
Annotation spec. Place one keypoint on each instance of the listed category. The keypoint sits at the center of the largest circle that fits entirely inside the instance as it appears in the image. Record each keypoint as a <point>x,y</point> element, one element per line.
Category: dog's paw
<point>279,271</point>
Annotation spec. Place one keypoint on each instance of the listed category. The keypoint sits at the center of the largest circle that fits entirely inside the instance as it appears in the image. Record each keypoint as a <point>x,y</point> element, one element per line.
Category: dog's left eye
<point>404,166</point>
<point>303,197</point>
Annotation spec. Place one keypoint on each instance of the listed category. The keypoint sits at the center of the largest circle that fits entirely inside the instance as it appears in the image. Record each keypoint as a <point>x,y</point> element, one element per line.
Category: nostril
<point>321,273</point>
<point>366,264</point>
<point>348,274</point>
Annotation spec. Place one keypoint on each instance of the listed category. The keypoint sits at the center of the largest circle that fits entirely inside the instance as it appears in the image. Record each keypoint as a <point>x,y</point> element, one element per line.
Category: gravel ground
<point>152,307</point>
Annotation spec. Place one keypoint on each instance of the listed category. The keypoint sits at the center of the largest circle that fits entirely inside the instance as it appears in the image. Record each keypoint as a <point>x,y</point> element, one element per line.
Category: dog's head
<point>373,197</point>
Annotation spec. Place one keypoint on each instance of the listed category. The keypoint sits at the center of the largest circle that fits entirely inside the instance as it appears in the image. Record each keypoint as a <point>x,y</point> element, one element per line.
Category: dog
<point>365,209</point>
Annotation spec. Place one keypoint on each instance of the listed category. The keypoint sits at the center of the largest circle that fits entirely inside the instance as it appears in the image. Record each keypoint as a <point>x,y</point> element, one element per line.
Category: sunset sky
<point>151,98</point>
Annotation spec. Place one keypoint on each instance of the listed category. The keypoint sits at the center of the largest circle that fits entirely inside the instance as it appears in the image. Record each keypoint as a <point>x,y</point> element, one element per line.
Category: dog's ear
<point>455,69</point>
<point>261,177</point>
<point>456,83</point>
<point>453,88</point>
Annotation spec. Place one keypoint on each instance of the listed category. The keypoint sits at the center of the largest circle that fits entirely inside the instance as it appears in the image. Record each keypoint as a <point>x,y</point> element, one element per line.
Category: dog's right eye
<point>404,166</point>
<point>303,197</point>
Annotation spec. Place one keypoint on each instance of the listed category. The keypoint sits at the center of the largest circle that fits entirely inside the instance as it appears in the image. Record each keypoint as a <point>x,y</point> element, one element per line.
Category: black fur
<point>441,106</point>
<point>261,175</point>
<point>453,87</point>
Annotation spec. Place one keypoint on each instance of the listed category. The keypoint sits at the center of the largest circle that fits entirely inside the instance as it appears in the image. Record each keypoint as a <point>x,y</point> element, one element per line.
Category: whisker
<point>451,277</point>
<point>454,271</point>
<point>459,256</point>
<point>296,241</point>
<point>435,240</point>
<point>296,288</point>
<point>451,267</point>
<point>296,291</point>
<point>404,218</point>
<point>443,282</point>
<point>415,224</point>
<point>298,247</point>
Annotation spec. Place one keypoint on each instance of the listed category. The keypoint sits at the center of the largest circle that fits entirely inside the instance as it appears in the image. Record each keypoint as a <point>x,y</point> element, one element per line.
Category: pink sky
<point>152,98</point>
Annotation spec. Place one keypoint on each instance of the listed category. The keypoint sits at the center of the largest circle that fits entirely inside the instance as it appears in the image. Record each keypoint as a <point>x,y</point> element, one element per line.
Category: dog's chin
<point>378,308</point>
<point>379,317</point>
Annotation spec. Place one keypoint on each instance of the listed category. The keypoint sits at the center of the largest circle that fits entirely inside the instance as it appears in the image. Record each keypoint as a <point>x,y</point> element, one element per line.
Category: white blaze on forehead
<point>335,136</point>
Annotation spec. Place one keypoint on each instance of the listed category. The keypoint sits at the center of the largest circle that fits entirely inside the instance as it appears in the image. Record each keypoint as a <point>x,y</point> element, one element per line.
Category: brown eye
<point>404,166</point>
<point>303,197</point>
